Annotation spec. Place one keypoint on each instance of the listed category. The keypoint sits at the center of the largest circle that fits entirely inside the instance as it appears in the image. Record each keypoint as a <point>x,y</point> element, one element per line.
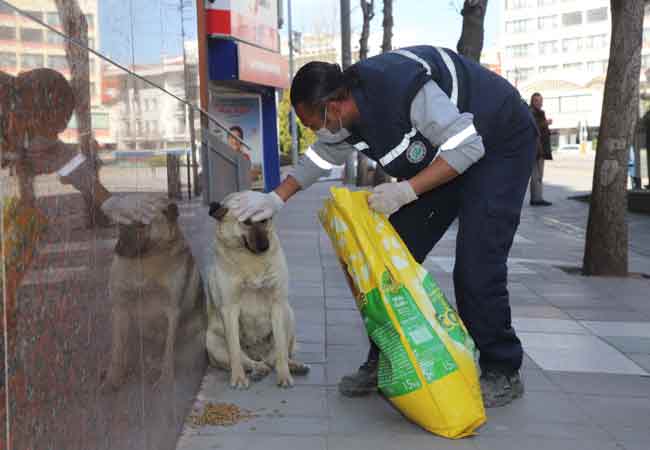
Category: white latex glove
<point>256,206</point>
<point>134,208</point>
<point>389,197</point>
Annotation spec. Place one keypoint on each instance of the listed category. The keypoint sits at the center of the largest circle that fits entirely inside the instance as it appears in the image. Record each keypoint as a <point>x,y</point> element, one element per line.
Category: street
<point>587,343</point>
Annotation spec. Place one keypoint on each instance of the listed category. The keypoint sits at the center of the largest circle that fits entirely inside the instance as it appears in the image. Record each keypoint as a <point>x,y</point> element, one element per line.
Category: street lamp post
<point>292,114</point>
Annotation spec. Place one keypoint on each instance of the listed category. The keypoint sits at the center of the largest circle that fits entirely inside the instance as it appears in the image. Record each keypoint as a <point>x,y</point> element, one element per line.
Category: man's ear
<point>171,212</point>
<point>217,210</point>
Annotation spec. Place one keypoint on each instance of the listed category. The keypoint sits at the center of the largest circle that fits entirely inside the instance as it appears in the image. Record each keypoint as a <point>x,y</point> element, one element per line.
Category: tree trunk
<point>606,247</point>
<point>470,43</point>
<point>387,41</point>
<point>368,10</point>
<point>75,26</point>
<point>387,45</point>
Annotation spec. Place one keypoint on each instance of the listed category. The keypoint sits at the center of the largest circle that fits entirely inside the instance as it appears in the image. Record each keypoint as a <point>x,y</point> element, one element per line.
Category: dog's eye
<point>248,222</point>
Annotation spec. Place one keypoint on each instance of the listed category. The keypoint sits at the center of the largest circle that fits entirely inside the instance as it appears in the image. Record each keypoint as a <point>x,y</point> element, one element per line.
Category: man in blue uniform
<point>461,142</point>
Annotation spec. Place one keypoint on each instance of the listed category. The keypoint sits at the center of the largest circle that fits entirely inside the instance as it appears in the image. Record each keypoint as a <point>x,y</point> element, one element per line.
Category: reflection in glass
<point>59,102</point>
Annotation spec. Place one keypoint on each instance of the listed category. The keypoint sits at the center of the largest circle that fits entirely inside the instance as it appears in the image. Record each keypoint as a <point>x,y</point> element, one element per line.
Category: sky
<point>156,24</point>
<point>436,22</point>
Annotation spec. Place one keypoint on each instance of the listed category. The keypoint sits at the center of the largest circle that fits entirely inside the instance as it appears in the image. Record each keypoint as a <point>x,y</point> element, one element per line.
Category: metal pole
<point>292,113</point>
<point>189,116</point>
<point>350,176</point>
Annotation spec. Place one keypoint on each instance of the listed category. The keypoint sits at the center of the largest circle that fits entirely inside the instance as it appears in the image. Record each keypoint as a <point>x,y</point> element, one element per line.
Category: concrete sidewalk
<point>587,341</point>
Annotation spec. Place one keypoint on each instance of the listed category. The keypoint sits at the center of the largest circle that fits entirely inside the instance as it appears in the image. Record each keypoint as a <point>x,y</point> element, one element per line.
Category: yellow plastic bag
<point>427,366</point>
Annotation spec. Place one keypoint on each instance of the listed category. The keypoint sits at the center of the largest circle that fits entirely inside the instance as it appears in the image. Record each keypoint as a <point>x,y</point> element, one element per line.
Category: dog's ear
<point>171,212</point>
<point>217,210</point>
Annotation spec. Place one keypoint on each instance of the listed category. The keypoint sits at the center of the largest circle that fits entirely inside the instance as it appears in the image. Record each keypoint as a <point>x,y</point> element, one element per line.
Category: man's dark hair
<point>536,94</point>
<point>318,82</point>
<point>238,129</point>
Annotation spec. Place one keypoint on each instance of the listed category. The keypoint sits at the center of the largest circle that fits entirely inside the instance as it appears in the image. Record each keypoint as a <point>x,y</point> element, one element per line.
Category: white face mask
<point>328,137</point>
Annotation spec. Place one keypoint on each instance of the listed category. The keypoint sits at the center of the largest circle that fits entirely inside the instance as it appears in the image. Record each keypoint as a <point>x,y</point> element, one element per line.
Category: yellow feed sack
<point>427,366</point>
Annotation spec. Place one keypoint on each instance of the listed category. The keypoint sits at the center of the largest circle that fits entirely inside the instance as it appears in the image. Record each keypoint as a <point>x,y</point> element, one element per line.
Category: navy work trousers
<point>487,201</point>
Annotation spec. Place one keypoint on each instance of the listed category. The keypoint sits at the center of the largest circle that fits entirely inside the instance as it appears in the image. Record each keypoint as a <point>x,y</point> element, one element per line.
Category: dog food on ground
<point>221,414</point>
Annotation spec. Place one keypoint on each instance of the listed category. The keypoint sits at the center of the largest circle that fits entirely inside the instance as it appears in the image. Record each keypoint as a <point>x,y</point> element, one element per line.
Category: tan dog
<point>250,322</point>
<point>153,273</point>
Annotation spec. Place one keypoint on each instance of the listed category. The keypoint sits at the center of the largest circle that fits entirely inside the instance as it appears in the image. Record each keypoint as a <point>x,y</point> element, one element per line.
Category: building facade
<point>560,48</point>
<point>27,45</point>
<point>139,116</point>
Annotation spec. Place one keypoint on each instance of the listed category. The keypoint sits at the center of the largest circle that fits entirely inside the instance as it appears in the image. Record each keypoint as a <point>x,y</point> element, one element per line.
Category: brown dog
<point>153,272</point>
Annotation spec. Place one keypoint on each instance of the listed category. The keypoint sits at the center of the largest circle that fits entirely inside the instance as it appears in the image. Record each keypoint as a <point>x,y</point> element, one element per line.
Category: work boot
<point>361,383</point>
<point>499,389</point>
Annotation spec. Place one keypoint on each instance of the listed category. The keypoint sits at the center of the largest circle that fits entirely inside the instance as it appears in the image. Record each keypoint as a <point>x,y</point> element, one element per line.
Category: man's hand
<point>134,208</point>
<point>389,197</point>
<point>256,206</point>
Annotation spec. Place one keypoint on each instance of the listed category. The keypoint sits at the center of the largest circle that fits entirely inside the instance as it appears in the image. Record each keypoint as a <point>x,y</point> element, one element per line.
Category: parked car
<point>569,148</point>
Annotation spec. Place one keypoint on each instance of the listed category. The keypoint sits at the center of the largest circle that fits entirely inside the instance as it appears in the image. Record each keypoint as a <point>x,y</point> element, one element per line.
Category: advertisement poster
<point>252,21</point>
<point>242,114</point>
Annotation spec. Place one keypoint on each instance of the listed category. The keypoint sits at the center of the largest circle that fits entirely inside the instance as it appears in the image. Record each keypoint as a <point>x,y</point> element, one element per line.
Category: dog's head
<point>137,240</point>
<point>231,233</point>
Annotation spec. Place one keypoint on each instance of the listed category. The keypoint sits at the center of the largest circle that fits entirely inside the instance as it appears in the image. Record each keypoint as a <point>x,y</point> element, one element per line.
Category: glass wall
<point>103,327</point>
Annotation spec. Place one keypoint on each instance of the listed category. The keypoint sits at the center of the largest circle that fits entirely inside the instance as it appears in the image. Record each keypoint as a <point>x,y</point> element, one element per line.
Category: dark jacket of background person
<point>544,145</point>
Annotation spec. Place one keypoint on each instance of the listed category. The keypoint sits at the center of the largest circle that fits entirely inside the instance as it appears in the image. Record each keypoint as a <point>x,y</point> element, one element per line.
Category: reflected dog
<point>251,326</point>
<point>153,273</point>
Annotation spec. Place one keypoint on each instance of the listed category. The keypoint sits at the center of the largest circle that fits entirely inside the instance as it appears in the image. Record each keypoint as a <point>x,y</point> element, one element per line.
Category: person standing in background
<point>543,151</point>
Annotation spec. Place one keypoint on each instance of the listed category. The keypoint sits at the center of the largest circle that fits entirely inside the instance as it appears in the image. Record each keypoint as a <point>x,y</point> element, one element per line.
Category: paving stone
<point>602,384</point>
<point>611,411</point>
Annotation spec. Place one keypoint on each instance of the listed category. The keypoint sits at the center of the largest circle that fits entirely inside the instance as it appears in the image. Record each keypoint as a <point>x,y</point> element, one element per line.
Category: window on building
<point>29,61</point>
<point>91,43</point>
<point>646,36</point>
<point>572,18</point>
<point>520,74</point>
<point>645,61</point>
<point>575,103</point>
<point>546,69</point>
<point>7,60</point>
<point>520,26</point>
<point>54,39</point>
<point>7,33</point>
<point>52,18</point>
<point>551,104</point>
<point>571,45</point>
<point>90,18</point>
<point>519,4</point>
<point>91,65</point>
<point>57,62</point>
<point>180,125</point>
<point>597,15</point>
<point>548,47</point>
<point>5,9</point>
<point>598,67</point>
<point>92,89</point>
<point>547,22</point>
<point>573,66</point>
<point>546,2</point>
<point>31,35</point>
<point>35,14</point>
<point>520,51</point>
<point>596,41</point>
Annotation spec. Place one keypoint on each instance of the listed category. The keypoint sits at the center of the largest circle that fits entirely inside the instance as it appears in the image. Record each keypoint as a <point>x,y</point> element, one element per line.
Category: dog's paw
<point>259,372</point>
<point>239,381</point>
<point>285,381</point>
<point>298,368</point>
